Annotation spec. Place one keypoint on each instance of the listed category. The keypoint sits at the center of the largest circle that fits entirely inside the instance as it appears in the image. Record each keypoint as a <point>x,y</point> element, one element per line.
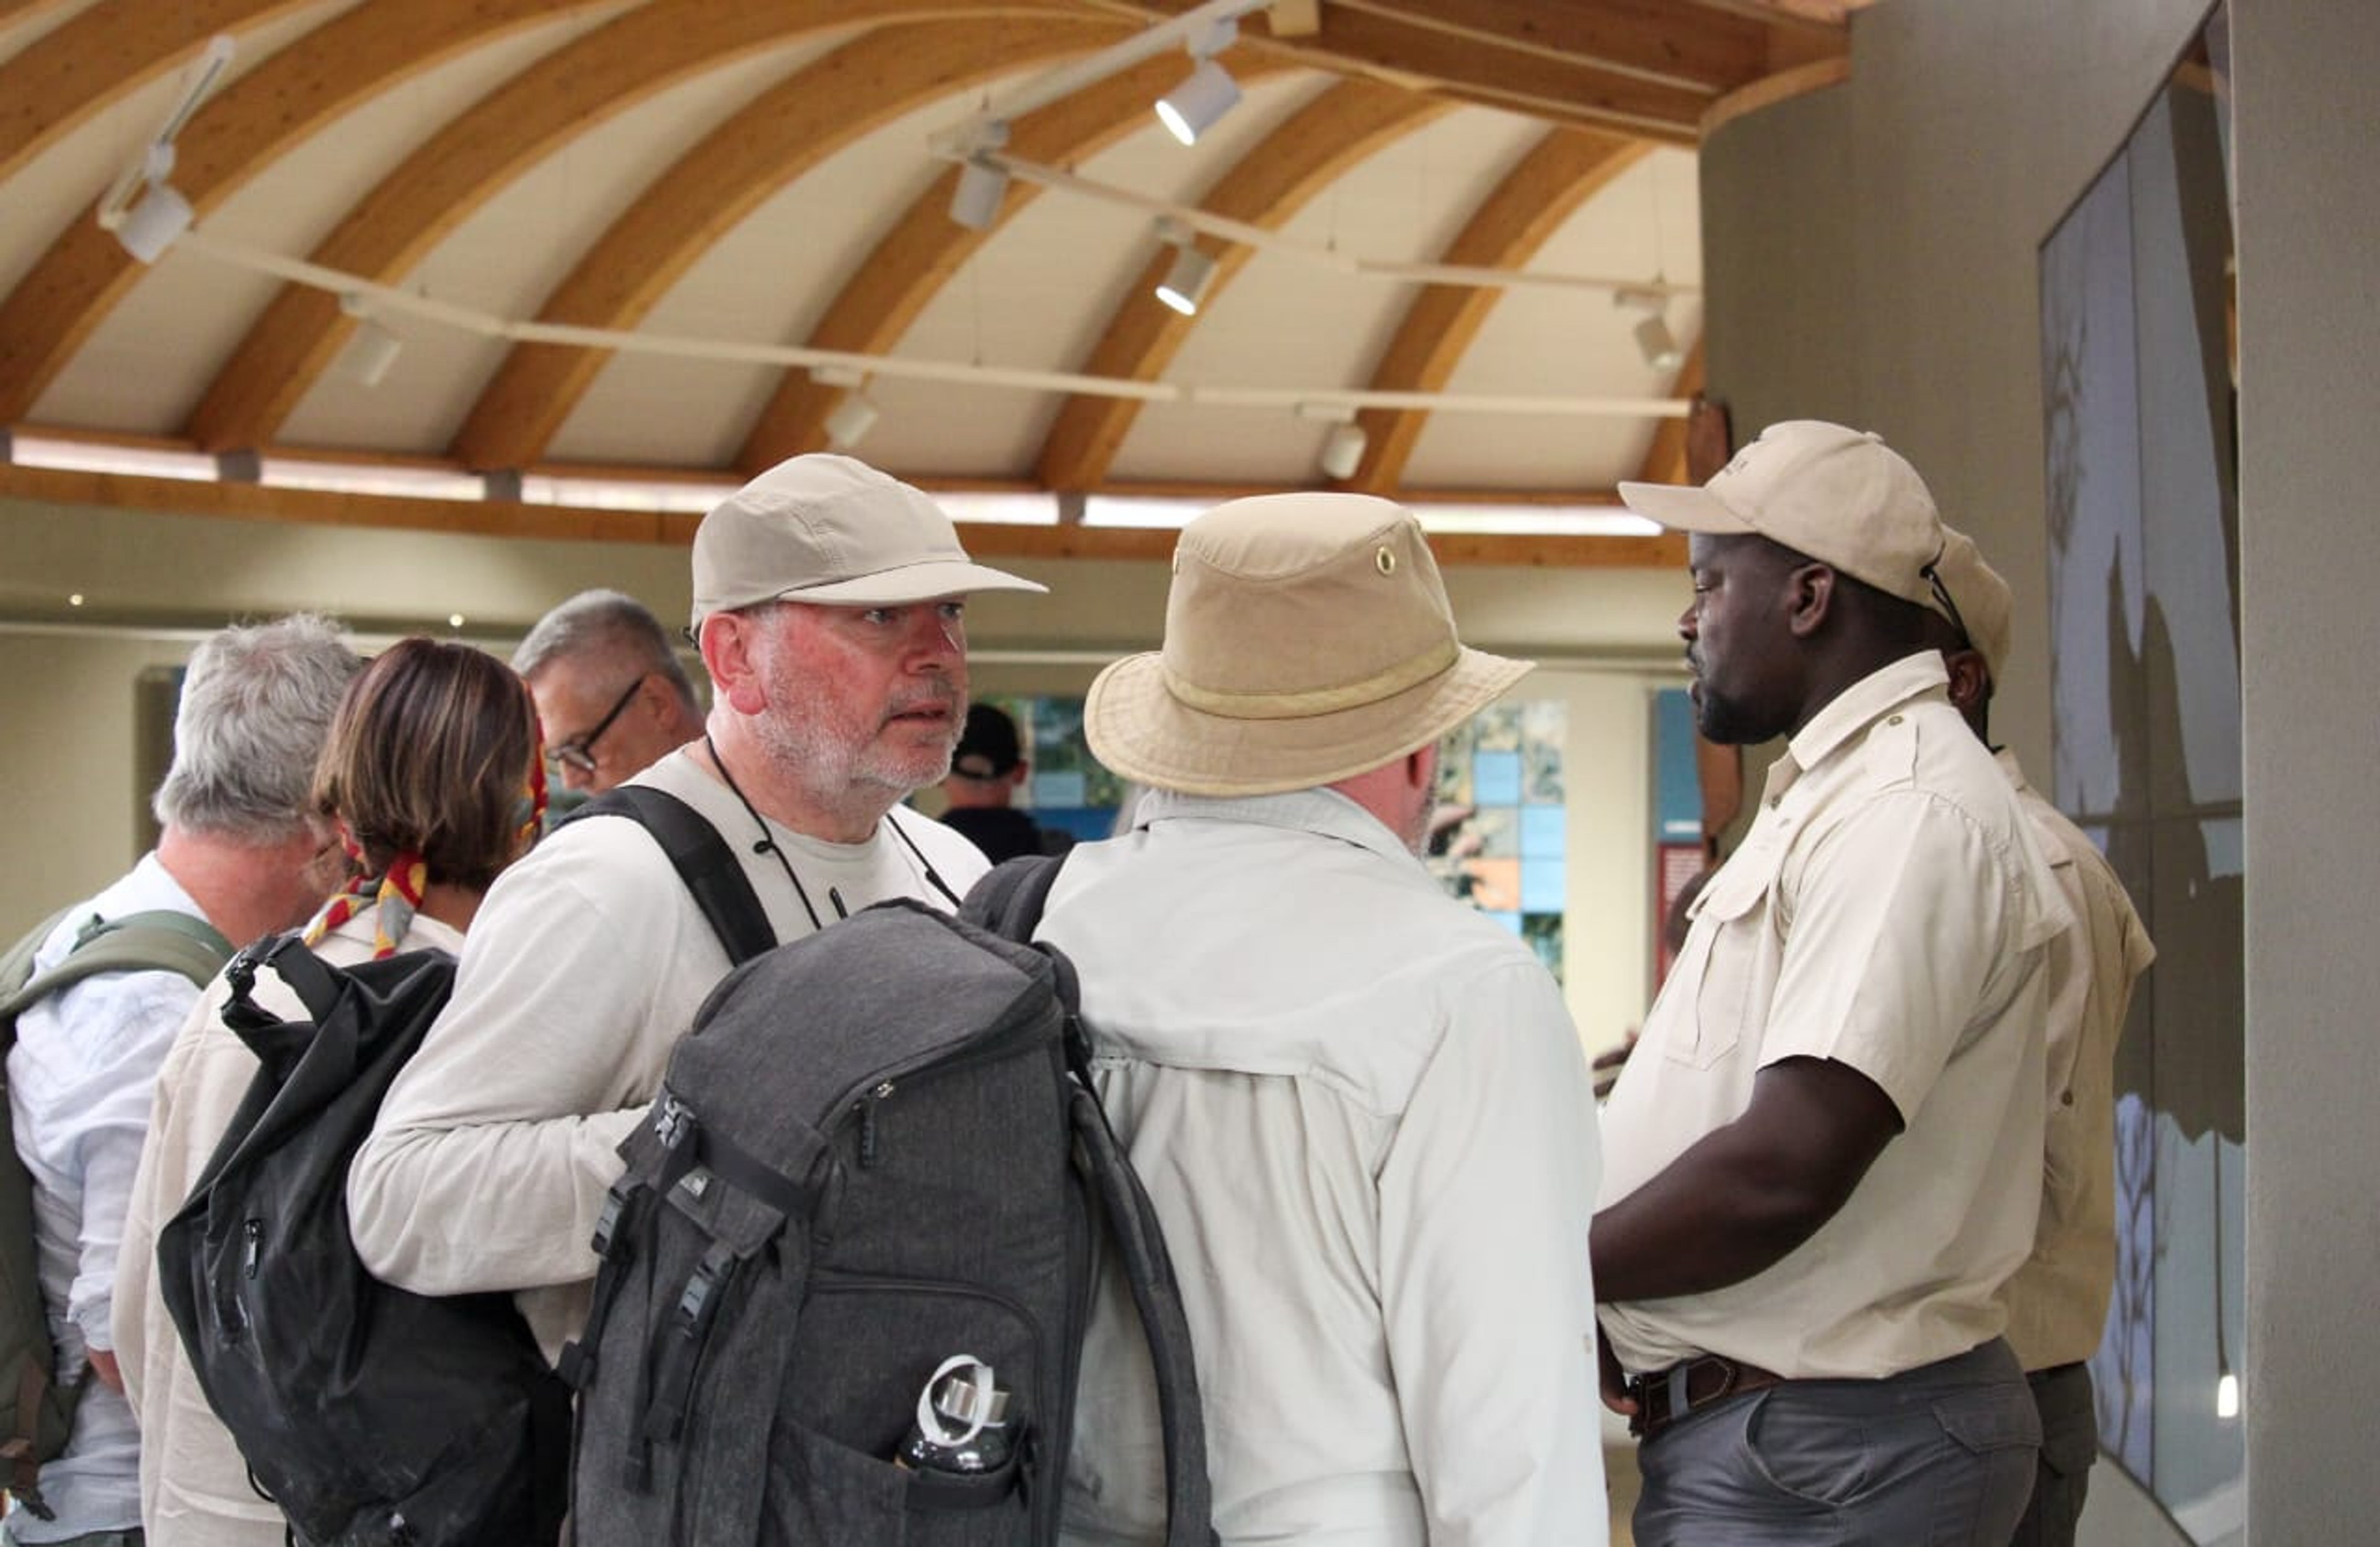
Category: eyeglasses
<point>579,753</point>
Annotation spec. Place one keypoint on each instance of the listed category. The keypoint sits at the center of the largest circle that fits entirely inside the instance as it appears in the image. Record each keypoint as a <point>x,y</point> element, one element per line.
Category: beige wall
<point>151,581</point>
<point>2308,120</point>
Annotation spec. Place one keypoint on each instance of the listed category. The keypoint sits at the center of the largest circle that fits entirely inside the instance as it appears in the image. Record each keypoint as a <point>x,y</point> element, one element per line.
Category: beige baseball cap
<point>1986,607</point>
<point>1842,497</point>
<point>1309,638</point>
<point>833,530</point>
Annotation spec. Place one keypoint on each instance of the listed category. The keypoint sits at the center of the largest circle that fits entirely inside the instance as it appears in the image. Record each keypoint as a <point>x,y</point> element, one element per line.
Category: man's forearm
<point>1718,1216</point>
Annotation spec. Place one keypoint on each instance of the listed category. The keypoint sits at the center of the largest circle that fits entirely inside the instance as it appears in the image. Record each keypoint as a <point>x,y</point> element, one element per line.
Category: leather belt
<point>1663,1396</point>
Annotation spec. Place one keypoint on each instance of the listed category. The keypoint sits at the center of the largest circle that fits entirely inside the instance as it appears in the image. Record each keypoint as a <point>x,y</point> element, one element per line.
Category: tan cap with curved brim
<point>1838,495</point>
<point>1307,638</point>
<point>1985,605</point>
<point>833,530</point>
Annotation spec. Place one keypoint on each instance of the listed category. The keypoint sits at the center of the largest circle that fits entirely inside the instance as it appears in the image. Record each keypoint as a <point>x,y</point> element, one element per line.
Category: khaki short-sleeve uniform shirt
<point>1888,910</point>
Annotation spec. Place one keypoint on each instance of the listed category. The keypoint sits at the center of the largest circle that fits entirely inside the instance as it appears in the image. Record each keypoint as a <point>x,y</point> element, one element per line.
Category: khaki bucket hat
<point>1307,638</point>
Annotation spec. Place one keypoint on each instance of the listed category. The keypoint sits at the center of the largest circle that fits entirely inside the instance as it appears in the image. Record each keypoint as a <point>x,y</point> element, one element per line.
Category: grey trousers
<point>2069,1443</point>
<point>1937,1456</point>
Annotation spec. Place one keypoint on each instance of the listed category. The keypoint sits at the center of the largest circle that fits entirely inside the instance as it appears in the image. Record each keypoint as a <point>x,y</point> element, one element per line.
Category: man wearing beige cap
<point>2058,1302</point>
<point>829,604</point>
<point>1359,1107</point>
<point>1823,1158</point>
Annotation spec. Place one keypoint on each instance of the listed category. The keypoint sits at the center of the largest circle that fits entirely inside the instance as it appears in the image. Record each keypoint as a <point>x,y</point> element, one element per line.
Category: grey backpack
<point>36,1413</point>
<point>876,1156</point>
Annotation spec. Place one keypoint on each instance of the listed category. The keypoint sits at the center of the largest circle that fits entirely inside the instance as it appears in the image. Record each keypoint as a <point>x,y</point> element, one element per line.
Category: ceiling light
<point>1185,283</point>
<point>1654,339</point>
<point>1207,92</point>
<point>1205,95</point>
<point>1658,345</point>
<point>974,202</point>
<point>147,228</point>
<point>850,421</point>
<point>1342,451</point>
<point>373,354</point>
<point>151,226</point>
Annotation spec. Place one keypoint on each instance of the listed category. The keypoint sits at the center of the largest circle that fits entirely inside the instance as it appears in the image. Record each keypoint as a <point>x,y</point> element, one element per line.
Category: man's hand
<point>104,1365</point>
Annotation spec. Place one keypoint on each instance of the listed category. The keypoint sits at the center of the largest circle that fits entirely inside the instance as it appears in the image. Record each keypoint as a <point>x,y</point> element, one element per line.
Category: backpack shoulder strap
<point>155,941</point>
<point>1009,898</point>
<point>702,859</point>
<point>1133,1228</point>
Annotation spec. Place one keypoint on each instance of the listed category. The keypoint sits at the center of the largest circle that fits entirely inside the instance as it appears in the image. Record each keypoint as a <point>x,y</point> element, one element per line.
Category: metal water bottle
<point>962,1421</point>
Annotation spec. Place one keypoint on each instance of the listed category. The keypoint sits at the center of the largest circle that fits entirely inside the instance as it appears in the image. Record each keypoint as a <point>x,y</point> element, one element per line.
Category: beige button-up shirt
<point>1890,910</point>
<point>2058,1302</point>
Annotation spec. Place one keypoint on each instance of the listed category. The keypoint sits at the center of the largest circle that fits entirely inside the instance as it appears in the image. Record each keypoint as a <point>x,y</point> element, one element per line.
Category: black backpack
<point>368,1414</point>
<point>37,1414</point>
<point>877,1152</point>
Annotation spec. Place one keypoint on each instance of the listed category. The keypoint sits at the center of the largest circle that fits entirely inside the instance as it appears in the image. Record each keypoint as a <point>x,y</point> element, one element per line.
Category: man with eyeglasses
<point>830,605</point>
<point>610,694</point>
<point>1823,1158</point>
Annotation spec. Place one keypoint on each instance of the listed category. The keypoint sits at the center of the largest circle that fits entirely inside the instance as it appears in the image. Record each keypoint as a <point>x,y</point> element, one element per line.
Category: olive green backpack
<point>36,1413</point>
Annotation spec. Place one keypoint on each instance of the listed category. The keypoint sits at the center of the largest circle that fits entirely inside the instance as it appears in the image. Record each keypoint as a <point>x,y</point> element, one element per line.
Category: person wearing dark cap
<point>1360,1108</point>
<point>2058,1302</point>
<point>829,604</point>
<point>986,773</point>
<point>1824,1159</point>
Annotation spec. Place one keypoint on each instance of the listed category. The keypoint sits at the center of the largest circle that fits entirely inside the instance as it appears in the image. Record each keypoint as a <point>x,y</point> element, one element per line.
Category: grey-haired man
<point>1825,1154</point>
<point>830,603</point>
<point>1359,1107</point>
<point>611,696</point>
<point>242,851</point>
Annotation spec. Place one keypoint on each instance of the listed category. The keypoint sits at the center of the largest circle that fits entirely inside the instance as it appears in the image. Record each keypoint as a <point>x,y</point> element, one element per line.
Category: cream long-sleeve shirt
<point>194,1489</point>
<point>1360,1112</point>
<point>492,1154</point>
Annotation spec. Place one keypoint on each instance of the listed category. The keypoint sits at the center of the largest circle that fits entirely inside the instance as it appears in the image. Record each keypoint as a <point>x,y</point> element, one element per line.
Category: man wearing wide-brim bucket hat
<point>1359,1107</point>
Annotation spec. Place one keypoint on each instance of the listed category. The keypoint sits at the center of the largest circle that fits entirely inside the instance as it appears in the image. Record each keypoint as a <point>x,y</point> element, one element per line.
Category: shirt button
<point>1894,721</point>
<point>2066,1098</point>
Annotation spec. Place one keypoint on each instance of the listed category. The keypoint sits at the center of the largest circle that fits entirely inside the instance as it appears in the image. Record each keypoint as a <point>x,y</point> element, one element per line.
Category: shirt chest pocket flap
<point>1730,951</point>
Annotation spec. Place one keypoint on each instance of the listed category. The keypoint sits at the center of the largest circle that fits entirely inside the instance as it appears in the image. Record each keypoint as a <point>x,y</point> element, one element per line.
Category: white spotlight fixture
<point>1654,339</point>
<point>983,183</point>
<point>974,202</point>
<point>1207,92</point>
<point>161,215</point>
<point>152,224</point>
<point>1185,282</point>
<point>375,351</point>
<point>850,421</point>
<point>1342,449</point>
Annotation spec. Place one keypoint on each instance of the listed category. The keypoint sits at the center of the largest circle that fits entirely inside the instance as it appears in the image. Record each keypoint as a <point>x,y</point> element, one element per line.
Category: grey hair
<point>257,704</point>
<point>610,624</point>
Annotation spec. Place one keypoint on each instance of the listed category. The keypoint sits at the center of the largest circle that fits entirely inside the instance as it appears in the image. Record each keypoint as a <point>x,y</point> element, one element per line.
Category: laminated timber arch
<point>399,222</point>
<point>1267,186</point>
<point>868,83</point>
<point>1561,173</point>
<point>347,61</point>
<point>925,247</point>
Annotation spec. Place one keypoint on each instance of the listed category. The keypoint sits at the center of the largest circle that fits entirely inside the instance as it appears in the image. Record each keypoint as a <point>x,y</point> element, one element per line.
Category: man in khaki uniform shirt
<point>2058,1302</point>
<point>1824,1159</point>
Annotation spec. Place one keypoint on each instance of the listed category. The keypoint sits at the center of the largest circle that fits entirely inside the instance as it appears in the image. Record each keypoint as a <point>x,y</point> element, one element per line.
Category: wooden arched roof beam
<point>1561,173</point>
<point>1268,185</point>
<point>1665,460</point>
<point>273,108</point>
<point>474,158</point>
<point>925,248</point>
<point>68,75</point>
<point>789,129</point>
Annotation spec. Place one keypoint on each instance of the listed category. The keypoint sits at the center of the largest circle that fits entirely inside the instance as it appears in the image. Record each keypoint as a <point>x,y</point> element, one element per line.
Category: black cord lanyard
<point>769,845</point>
